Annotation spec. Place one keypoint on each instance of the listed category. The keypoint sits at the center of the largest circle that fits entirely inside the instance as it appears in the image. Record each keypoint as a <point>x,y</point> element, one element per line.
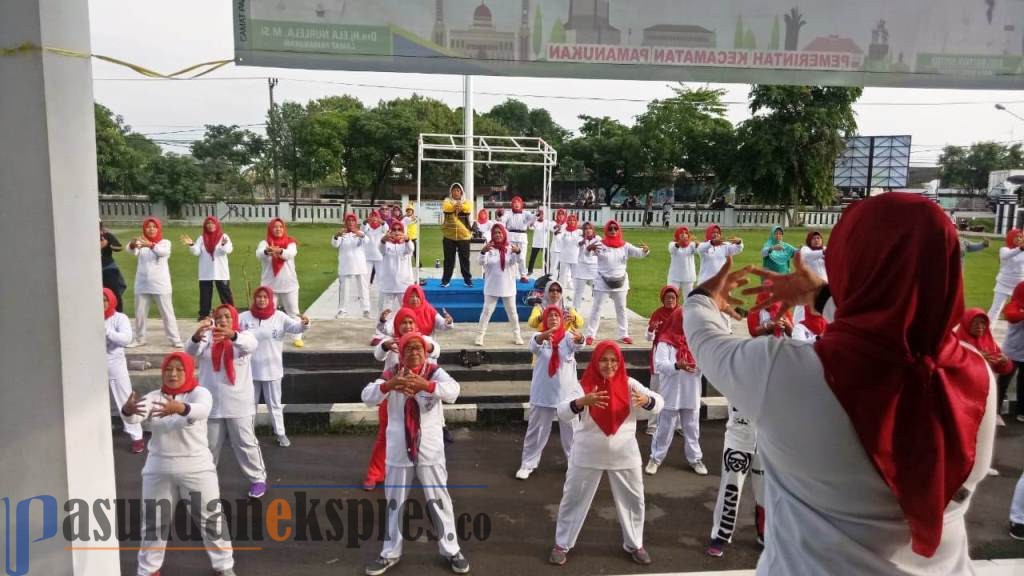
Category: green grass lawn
<point>317,263</point>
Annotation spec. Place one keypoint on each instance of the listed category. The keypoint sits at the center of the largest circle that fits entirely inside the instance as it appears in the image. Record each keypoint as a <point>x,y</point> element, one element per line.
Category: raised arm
<point>162,248</point>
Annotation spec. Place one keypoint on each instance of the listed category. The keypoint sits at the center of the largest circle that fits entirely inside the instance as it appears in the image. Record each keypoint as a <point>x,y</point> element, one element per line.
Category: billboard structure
<point>873,162</point>
<point>939,43</point>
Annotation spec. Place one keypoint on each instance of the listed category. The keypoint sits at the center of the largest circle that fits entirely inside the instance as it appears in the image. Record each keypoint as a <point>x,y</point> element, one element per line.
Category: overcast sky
<point>167,36</point>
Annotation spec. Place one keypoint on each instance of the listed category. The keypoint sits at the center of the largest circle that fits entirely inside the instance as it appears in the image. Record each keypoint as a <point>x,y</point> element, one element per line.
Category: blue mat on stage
<point>465,304</point>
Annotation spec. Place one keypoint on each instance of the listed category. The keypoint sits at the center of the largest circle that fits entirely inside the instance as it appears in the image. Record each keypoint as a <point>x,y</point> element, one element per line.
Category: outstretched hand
<point>720,286</point>
<point>798,288</point>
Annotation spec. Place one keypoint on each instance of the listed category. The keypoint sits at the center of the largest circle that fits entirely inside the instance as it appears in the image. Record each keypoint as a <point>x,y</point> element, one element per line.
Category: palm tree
<point>794,22</point>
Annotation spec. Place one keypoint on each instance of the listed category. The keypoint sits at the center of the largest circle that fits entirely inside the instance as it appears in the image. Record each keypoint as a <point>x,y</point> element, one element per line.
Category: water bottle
<point>437,262</point>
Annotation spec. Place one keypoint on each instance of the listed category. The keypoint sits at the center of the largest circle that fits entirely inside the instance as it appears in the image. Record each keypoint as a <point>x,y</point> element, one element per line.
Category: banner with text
<point>941,43</point>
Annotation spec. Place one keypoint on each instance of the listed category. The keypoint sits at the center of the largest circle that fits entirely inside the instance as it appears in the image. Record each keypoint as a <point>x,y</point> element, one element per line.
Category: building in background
<point>679,36</point>
<point>440,31</point>
<point>482,40</point>
<point>589,23</point>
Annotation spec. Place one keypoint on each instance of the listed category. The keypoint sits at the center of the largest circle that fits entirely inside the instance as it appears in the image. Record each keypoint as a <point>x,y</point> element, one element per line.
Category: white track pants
<point>434,480</point>
<point>998,301</point>
<point>490,303</point>
<point>165,305</point>
<point>538,430</point>
<point>667,421</point>
<point>170,488</point>
<point>619,299</point>
<point>271,390</point>
<point>736,465</point>
<point>239,432</point>
<point>121,389</point>
<point>362,283</point>
<point>578,494</point>
<point>289,301</point>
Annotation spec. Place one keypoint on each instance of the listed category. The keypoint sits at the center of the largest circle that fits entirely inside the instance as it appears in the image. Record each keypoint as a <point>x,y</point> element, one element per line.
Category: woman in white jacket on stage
<point>269,325</point>
<point>1011,271</point>
<point>497,258</point>
<point>612,279</point>
<point>395,267</point>
<point>277,257</point>
<point>214,270</point>
<point>554,381</point>
<point>153,282</point>
<point>352,268</point>
<point>585,272</point>
<point>179,464</point>
<point>714,251</point>
<point>682,268</point>
<point>375,229</point>
<point>569,242</point>
<point>224,353</point>
<point>605,443</point>
<point>119,335</point>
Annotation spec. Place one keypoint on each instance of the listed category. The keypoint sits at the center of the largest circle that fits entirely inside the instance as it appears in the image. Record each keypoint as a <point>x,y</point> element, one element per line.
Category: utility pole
<point>271,82</point>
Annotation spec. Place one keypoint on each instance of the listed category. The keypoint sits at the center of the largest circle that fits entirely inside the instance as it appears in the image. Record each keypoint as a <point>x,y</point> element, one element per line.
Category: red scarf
<point>616,241</point>
<point>156,238</point>
<point>401,315</point>
<point>223,353</point>
<point>517,205</point>
<point>351,223</point>
<point>374,219</point>
<point>660,316</point>
<point>754,316</point>
<point>815,323</point>
<point>482,216</point>
<point>396,227</point>
<point>709,231</point>
<point>571,223</point>
<point>111,303</point>
<point>560,216</point>
<point>426,315</point>
<point>556,337</point>
<point>412,407</point>
<point>210,239</point>
<point>679,236</point>
<point>502,247</point>
<point>672,334</point>
<point>619,399</point>
<point>913,393</point>
<point>268,310</point>
<point>283,242</point>
<point>985,343</point>
<point>190,374</point>
<point>1011,237</point>
<point>811,235</point>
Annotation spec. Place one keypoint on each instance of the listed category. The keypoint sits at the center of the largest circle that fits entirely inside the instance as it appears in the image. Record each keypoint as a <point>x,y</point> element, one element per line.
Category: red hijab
<point>815,323</point>
<point>679,236</point>
<point>351,222</point>
<point>660,316</point>
<point>156,238</point>
<point>619,399</point>
<point>571,223</point>
<point>374,219</point>
<point>517,204</point>
<point>426,315</point>
<point>985,343</point>
<point>556,336</point>
<point>710,230</point>
<point>482,217</point>
<point>283,242</point>
<point>560,216</point>
<point>811,235</point>
<point>190,382</point>
<point>111,303</point>
<point>412,407</point>
<point>913,393</point>
<point>397,226</point>
<point>223,353</point>
<point>1011,237</point>
<point>754,316</point>
<point>268,310</point>
<point>503,246</point>
<point>610,241</point>
<point>210,239</point>
<point>402,314</point>
<point>672,334</point>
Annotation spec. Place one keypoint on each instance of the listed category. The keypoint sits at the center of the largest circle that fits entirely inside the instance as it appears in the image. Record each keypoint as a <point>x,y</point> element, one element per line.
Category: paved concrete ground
<point>522,514</point>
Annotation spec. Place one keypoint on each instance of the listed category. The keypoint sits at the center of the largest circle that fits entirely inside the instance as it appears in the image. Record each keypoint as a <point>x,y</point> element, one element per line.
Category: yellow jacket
<point>453,228</point>
<point>575,321</point>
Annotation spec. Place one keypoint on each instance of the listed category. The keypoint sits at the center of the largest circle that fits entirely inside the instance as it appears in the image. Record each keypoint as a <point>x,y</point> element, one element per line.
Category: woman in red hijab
<point>179,464</point>
<point>1013,347</point>
<point>214,270</point>
<point>119,334</point>
<point>669,298</point>
<point>277,258</point>
<point>714,251</point>
<point>153,282</point>
<point>483,224</point>
<point>612,281</point>
<point>605,442</point>
<point>875,438</point>
<point>1011,271</point>
<point>682,270</point>
<point>557,229</point>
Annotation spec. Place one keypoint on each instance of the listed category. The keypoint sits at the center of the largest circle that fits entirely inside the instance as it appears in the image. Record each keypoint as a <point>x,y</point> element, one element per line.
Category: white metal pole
<point>418,215</point>
<point>467,178</point>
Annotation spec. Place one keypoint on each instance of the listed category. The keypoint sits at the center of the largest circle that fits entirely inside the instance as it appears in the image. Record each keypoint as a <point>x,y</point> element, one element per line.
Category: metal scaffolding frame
<point>504,150</point>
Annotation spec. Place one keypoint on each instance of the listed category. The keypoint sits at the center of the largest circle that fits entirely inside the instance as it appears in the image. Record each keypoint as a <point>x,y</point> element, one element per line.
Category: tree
<point>175,180</point>
<point>514,118</point>
<point>222,154</point>
<point>323,134</point>
<point>611,153</point>
<point>954,170</point>
<point>689,133</point>
<point>538,32</point>
<point>970,167</point>
<point>788,148</point>
<point>121,155</point>
<point>774,44</point>
<point>284,127</point>
<point>794,22</point>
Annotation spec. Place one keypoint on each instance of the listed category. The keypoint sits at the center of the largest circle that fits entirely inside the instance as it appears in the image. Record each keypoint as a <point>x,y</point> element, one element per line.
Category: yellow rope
<point>205,67</point>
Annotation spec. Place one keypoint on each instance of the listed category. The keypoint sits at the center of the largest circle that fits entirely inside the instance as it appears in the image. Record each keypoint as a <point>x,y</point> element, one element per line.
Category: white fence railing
<point>430,213</point>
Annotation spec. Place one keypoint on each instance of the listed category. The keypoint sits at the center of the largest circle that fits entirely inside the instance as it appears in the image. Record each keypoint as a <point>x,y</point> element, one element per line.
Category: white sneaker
<point>340,314</point>
<point>652,430</point>
<point>523,474</point>
<point>136,344</point>
<point>1000,421</point>
<point>699,468</point>
<point>178,344</point>
<point>283,441</point>
<point>479,340</point>
<point>652,467</point>
<point>993,472</point>
<point>519,340</point>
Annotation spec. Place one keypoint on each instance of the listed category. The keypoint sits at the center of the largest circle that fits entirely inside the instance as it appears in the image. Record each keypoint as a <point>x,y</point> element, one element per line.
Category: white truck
<point>1004,182</point>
